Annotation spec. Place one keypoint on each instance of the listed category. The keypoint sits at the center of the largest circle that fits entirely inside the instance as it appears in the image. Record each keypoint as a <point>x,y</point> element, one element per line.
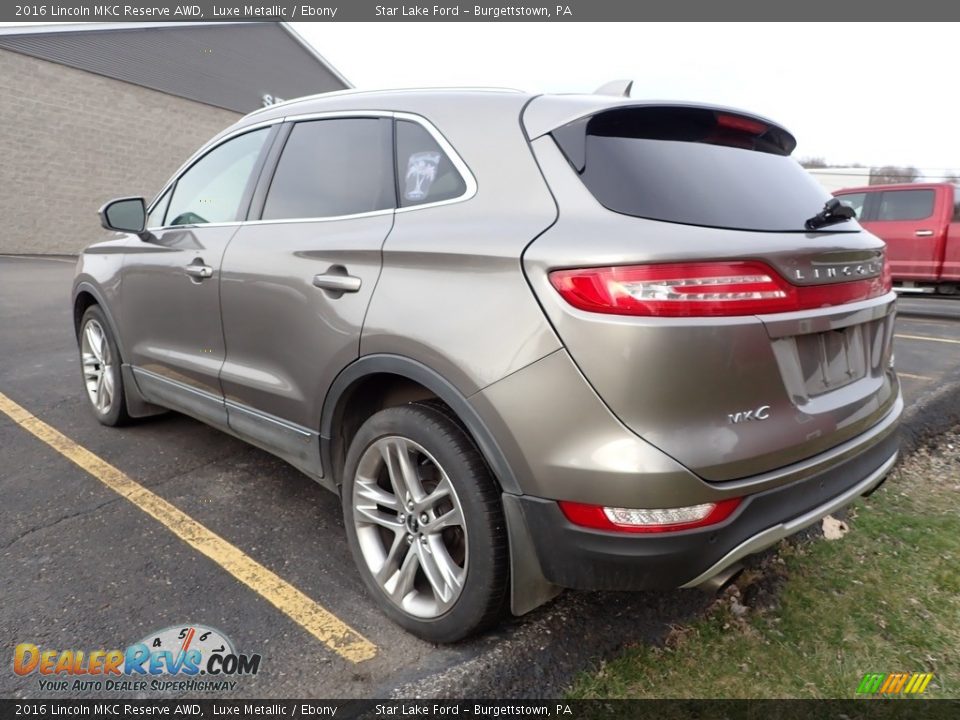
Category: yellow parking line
<point>931,339</point>
<point>911,375</point>
<point>311,616</point>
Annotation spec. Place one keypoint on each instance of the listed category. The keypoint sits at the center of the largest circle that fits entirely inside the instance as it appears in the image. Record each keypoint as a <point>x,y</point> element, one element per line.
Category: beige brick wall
<point>71,140</point>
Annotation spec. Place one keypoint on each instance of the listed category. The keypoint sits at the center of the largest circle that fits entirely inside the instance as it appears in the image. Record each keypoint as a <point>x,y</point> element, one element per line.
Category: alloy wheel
<point>97,366</point>
<point>410,527</point>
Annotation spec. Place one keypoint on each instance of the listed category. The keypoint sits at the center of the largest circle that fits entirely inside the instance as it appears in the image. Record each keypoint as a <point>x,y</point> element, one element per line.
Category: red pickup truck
<point>920,223</point>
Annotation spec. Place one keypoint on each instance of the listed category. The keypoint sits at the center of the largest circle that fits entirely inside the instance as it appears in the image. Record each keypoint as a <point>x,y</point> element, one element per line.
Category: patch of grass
<point>884,598</point>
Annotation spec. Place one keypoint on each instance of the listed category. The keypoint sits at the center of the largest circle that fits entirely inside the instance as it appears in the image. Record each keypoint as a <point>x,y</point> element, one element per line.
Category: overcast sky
<point>868,93</point>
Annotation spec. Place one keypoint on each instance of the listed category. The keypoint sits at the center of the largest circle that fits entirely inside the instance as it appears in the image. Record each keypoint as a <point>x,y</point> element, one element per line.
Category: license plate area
<point>833,359</point>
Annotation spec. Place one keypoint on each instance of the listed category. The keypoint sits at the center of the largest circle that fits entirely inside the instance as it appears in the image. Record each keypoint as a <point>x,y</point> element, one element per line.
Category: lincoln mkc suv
<point>533,342</point>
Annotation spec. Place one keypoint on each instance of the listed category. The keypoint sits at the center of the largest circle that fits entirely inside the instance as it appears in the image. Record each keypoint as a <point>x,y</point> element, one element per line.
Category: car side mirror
<point>124,215</point>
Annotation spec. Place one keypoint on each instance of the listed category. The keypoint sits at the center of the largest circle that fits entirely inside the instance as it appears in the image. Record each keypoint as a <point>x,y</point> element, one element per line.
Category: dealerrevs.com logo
<point>180,658</point>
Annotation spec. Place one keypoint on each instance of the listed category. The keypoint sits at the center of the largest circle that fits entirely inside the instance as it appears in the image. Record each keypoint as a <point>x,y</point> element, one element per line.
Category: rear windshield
<point>696,167</point>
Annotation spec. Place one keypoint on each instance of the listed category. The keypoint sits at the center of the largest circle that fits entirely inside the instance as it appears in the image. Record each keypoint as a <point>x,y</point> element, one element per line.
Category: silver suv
<point>533,342</point>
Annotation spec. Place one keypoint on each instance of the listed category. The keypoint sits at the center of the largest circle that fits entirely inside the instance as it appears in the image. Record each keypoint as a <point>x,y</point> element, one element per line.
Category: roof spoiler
<point>617,88</point>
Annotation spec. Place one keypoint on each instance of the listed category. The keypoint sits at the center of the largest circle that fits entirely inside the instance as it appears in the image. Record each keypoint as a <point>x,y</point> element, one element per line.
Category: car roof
<point>389,99</point>
<point>544,113</point>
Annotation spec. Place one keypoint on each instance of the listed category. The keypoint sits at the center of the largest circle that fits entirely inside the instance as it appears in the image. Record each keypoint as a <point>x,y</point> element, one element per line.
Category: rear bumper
<point>575,557</point>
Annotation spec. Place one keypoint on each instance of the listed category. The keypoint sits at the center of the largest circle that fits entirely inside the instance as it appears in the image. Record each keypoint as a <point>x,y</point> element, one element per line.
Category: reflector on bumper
<point>648,520</point>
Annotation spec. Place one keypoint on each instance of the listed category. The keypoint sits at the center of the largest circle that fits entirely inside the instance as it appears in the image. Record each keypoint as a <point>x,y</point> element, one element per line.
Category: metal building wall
<point>229,65</point>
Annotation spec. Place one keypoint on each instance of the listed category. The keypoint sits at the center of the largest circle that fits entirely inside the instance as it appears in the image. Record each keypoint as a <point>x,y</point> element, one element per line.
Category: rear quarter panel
<point>452,294</point>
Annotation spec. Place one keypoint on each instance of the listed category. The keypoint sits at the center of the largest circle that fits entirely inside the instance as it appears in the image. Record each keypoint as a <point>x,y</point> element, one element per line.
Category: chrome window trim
<point>332,218</point>
<point>459,164</point>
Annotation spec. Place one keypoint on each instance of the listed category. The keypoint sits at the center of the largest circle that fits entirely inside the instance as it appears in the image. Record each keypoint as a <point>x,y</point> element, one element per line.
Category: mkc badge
<point>760,413</point>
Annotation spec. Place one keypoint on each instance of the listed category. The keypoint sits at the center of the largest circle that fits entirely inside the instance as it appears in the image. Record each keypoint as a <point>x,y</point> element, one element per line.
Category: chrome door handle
<point>923,233</point>
<point>200,272</point>
<point>336,280</point>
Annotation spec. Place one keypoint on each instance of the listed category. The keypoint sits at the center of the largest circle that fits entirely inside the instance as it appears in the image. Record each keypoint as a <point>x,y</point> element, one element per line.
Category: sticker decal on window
<point>421,172</point>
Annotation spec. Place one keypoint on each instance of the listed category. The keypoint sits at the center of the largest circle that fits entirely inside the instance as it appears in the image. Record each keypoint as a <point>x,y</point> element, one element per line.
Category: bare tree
<point>889,174</point>
<point>811,163</point>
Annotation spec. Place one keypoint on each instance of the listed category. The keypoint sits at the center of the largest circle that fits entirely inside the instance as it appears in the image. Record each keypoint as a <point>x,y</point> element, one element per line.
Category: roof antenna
<point>619,88</point>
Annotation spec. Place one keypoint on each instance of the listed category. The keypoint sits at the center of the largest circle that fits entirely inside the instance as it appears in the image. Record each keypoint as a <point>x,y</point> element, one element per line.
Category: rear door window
<point>905,205</point>
<point>331,168</point>
<point>425,174</point>
<point>694,166</point>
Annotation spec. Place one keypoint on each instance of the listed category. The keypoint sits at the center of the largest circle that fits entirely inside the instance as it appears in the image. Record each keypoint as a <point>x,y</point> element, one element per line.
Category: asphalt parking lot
<point>84,568</point>
<point>927,341</point>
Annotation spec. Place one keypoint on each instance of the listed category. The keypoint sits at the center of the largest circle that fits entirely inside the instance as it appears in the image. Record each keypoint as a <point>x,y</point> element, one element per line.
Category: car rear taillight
<point>886,277</point>
<point>702,289</point>
<point>652,520</point>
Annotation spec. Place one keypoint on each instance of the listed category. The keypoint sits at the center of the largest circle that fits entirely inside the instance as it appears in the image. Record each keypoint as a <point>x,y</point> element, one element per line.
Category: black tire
<point>115,413</point>
<point>484,589</point>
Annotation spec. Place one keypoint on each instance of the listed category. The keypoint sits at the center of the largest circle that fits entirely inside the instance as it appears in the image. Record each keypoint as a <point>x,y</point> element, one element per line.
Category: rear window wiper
<point>833,212</point>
